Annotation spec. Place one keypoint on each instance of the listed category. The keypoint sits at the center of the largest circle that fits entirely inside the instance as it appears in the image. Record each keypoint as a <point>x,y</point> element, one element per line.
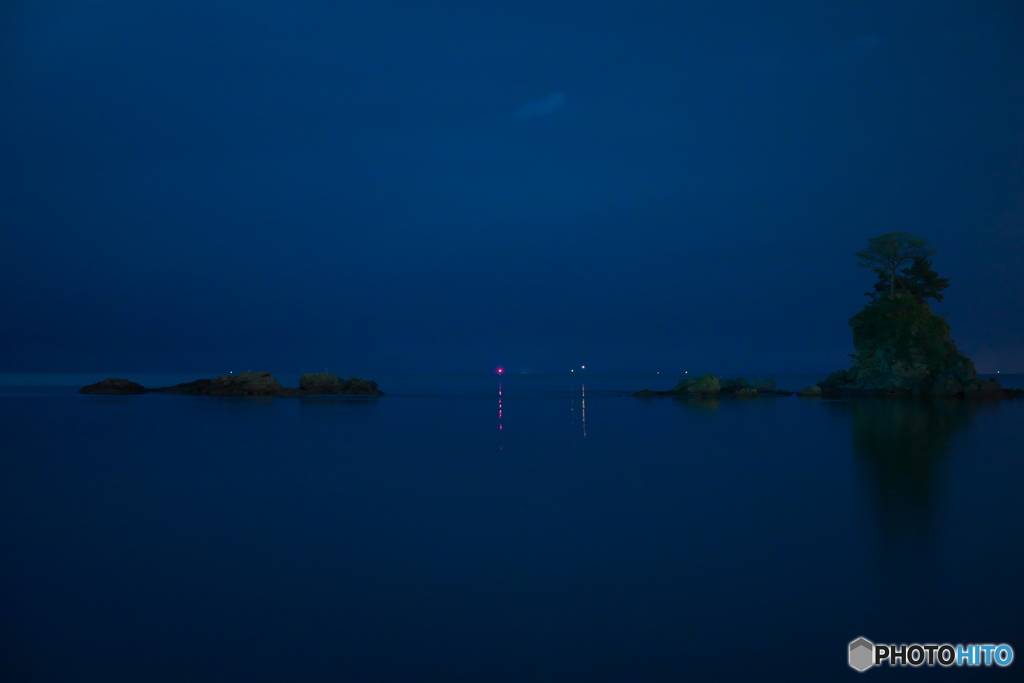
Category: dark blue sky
<point>396,186</point>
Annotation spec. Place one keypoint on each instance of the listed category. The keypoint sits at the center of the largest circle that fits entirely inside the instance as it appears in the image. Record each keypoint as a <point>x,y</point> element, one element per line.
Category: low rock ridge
<point>259,383</point>
<point>120,387</point>
<point>711,385</point>
<point>959,381</point>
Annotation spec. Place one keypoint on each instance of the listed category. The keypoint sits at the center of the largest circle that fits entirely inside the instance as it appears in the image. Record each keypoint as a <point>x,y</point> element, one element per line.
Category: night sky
<point>397,186</point>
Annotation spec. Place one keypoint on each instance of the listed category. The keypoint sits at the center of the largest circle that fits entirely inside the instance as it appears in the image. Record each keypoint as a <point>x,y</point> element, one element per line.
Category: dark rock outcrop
<point>947,386</point>
<point>702,385</point>
<point>710,386</point>
<point>834,380</point>
<point>986,388</point>
<point>810,391</point>
<point>260,383</point>
<point>357,385</point>
<point>198,387</point>
<point>903,349</point>
<point>120,387</point>
<point>328,383</point>
<point>321,383</point>
<point>735,384</point>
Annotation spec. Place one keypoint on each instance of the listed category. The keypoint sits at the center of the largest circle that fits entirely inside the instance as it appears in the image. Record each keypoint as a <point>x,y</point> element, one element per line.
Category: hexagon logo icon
<point>862,654</point>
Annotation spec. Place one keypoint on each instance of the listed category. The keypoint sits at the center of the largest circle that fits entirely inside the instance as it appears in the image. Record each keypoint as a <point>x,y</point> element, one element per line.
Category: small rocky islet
<point>711,385</point>
<point>259,383</point>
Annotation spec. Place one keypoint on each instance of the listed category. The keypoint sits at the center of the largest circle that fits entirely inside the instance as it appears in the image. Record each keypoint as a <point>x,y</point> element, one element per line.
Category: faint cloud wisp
<point>543,107</point>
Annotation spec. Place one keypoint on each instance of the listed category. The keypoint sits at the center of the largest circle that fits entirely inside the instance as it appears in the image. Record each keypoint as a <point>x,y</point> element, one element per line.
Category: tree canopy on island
<point>919,280</point>
<point>901,262</point>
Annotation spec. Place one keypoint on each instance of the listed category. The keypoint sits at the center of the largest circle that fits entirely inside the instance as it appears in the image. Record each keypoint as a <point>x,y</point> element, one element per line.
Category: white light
<point>583,367</point>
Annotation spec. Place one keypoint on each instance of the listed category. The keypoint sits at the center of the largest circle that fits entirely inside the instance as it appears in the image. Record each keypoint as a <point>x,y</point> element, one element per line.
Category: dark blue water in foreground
<point>580,535</point>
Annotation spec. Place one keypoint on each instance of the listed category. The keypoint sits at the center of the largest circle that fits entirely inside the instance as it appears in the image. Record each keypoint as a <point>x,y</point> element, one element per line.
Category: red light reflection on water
<point>583,407</point>
<point>500,411</point>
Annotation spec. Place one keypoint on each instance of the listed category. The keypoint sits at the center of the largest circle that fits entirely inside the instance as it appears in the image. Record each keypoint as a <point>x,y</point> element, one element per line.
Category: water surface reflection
<point>582,390</point>
<point>901,446</point>
<point>706,403</point>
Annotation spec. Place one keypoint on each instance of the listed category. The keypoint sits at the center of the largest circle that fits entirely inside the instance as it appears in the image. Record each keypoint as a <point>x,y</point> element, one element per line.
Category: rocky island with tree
<point>901,348</point>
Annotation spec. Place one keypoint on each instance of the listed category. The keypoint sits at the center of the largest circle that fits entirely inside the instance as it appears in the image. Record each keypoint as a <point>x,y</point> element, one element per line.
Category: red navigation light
<point>500,371</point>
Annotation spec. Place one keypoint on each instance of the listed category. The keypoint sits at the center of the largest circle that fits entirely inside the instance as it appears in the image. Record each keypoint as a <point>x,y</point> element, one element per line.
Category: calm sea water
<point>527,528</point>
